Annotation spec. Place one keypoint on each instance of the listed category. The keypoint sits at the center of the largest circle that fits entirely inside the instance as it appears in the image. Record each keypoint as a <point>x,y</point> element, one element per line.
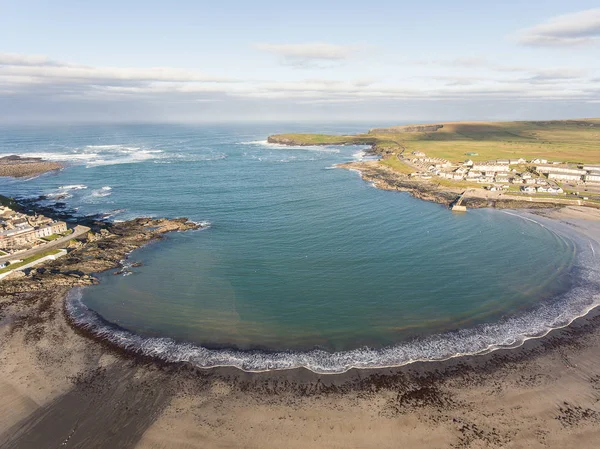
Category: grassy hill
<point>556,140</point>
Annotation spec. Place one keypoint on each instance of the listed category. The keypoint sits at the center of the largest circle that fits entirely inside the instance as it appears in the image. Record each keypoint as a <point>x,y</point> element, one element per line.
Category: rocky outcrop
<point>20,167</point>
<point>97,252</point>
<point>388,179</point>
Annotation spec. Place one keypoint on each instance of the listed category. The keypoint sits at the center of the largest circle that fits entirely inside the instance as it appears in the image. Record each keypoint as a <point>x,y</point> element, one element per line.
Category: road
<point>55,244</point>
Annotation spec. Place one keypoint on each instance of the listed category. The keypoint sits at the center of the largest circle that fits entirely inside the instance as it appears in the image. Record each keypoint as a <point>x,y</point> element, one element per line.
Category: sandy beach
<point>61,389</point>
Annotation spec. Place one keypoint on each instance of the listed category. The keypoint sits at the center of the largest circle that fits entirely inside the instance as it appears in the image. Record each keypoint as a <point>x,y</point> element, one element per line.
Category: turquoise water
<point>300,258</point>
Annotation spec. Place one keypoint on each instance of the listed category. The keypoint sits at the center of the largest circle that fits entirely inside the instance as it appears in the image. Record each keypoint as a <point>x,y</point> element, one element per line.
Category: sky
<point>199,61</point>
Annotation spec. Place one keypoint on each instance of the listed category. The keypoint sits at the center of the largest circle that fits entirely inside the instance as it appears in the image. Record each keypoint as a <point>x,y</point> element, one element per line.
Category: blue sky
<point>311,60</point>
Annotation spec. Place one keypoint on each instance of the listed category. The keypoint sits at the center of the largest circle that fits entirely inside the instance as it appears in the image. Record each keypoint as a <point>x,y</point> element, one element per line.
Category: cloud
<point>577,28</point>
<point>15,59</point>
<point>310,54</point>
<point>39,83</point>
<point>39,68</point>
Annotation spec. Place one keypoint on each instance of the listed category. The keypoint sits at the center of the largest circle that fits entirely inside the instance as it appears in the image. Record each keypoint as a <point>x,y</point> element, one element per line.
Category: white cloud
<point>35,69</point>
<point>15,59</point>
<point>578,28</point>
<point>310,54</point>
<point>36,79</point>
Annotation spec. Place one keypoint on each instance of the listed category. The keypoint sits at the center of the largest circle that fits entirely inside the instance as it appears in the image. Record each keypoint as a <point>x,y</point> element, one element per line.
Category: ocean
<point>302,264</point>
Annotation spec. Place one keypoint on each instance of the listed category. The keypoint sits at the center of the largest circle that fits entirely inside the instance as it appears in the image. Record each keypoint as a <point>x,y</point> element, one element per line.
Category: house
<point>554,190</point>
<point>516,180</point>
<point>468,163</point>
<point>529,181</point>
<point>487,166</point>
<point>556,169</point>
<point>528,189</point>
<point>592,177</point>
<point>461,170</point>
<point>564,177</point>
<point>503,162</point>
<point>526,175</point>
<point>24,236</point>
<point>592,168</point>
<point>542,189</point>
<point>418,153</point>
<point>501,178</point>
<point>473,174</point>
<point>517,161</point>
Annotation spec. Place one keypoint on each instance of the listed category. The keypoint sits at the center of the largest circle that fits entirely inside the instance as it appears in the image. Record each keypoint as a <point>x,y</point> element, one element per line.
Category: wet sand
<point>61,389</point>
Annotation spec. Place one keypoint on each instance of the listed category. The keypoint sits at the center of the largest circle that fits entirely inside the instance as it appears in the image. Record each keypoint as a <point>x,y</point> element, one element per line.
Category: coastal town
<point>533,176</point>
<point>19,231</point>
<point>27,240</point>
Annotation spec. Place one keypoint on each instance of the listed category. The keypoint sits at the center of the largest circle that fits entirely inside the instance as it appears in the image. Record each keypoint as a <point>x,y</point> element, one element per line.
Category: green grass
<point>28,260</point>
<point>398,165</point>
<point>565,141</point>
<point>52,237</point>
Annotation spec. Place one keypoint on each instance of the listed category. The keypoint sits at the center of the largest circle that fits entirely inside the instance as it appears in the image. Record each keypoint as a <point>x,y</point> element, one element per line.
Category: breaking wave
<point>104,191</point>
<point>512,332</point>
<point>267,144</point>
<point>97,155</point>
<point>73,187</point>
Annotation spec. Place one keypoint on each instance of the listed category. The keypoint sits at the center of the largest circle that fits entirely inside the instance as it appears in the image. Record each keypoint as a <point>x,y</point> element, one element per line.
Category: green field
<point>559,140</point>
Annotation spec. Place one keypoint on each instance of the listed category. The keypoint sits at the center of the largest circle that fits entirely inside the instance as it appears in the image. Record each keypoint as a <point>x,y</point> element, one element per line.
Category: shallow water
<point>299,257</point>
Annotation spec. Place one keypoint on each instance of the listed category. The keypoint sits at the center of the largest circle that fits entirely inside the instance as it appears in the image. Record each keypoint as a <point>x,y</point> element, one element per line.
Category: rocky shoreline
<point>24,167</point>
<point>386,178</point>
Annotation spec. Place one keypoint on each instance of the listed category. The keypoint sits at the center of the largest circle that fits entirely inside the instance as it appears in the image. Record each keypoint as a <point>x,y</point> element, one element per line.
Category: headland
<point>486,164</point>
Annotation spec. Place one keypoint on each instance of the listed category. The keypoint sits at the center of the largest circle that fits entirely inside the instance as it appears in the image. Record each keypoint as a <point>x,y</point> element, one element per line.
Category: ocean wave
<point>266,144</point>
<point>73,187</point>
<point>104,191</point>
<point>97,155</point>
<point>549,314</point>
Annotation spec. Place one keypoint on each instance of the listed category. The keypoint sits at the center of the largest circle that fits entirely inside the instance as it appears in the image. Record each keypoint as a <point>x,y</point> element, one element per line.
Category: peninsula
<point>481,164</point>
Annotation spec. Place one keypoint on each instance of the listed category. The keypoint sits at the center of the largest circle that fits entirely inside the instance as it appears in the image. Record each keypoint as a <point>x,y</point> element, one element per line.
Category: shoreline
<point>167,350</point>
<point>104,397</point>
<point>385,178</point>
<point>61,387</point>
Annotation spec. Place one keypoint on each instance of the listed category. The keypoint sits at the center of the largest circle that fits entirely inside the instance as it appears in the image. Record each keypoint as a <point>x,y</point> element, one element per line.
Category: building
<point>24,236</point>
<point>592,168</point>
<point>564,176</point>
<point>559,169</point>
<point>517,161</point>
<point>489,167</point>
<point>528,189</point>
<point>592,177</point>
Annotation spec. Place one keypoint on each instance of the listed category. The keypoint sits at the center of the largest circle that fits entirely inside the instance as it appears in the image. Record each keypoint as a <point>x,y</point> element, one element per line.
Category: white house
<point>564,177</point>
